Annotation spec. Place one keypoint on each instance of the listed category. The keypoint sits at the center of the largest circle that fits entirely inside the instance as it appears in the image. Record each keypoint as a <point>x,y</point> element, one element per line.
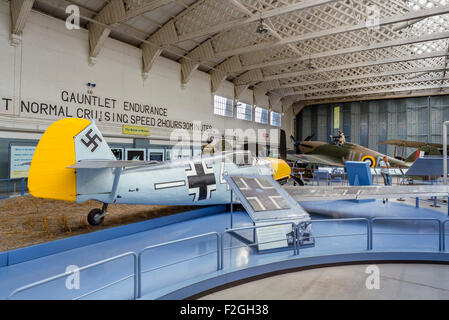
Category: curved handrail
<point>368,228</point>
<point>65,274</point>
<point>439,223</point>
<point>220,250</point>
<point>139,264</point>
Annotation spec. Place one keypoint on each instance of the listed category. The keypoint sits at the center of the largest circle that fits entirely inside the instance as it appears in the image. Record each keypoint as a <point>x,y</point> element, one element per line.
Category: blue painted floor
<point>331,238</point>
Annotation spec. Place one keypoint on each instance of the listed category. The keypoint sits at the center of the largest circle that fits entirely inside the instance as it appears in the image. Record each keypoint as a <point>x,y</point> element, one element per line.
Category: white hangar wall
<point>39,76</point>
<point>52,63</point>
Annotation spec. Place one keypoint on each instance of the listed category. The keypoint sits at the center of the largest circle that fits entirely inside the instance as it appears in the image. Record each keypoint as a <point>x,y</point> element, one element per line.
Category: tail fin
<point>425,150</point>
<point>64,143</point>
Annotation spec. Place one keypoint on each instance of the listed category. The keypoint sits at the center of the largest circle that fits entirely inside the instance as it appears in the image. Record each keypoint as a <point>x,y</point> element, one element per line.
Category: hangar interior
<point>272,122</point>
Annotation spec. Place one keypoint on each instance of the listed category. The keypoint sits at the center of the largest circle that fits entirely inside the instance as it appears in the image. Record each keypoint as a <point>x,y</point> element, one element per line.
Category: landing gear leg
<point>96,216</point>
<point>297,180</point>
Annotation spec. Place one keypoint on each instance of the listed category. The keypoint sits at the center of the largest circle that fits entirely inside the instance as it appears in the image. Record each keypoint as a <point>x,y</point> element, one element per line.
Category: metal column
<point>445,124</point>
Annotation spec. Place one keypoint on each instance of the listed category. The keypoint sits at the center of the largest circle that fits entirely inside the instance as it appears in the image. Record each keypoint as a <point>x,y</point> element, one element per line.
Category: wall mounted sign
<point>135,130</point>
<point>336,117</point>
<point>20,158</point>
<point>101,109</point>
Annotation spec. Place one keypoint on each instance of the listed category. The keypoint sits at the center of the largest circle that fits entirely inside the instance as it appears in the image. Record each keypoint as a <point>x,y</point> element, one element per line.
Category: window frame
<point>217,99</point>
<point>261,117</point>
<point>251,107</point>
<point>271,119</point>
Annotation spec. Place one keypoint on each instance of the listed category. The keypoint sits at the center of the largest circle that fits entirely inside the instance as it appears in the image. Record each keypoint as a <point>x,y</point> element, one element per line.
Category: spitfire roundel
<point>201,180</point>
<point>370,160</point>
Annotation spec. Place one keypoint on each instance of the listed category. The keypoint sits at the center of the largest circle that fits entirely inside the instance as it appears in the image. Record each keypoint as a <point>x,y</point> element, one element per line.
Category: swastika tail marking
<point>91,140</point>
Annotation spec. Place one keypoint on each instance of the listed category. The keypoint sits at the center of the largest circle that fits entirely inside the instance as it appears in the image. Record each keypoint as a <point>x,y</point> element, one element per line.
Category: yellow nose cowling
<point>281,170</point>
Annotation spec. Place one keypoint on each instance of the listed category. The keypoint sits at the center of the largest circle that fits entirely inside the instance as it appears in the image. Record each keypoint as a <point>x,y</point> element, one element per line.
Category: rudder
<point>64,143</point>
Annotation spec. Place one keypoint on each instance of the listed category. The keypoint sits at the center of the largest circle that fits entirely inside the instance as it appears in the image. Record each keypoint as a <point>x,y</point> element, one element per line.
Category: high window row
<point>225,107</point>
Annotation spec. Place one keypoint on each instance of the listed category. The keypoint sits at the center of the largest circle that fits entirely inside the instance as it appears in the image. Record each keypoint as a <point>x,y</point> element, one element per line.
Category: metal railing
<point>443,234</point>
<point>366,220</point>
<point>297,236</point>
<point>9,187</point>
<point>66,274</point>
<point>255,242</point>
<point>140,271</point>
<point>438,222</point>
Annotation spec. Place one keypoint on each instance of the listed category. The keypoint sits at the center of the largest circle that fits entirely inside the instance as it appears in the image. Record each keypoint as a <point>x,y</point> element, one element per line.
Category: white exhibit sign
<point>272,237</point>
<point>20,159</point>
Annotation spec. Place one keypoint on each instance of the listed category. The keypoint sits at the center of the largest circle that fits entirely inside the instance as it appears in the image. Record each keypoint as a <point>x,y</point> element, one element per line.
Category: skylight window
<point>434,24</point>
<point>426,4</point>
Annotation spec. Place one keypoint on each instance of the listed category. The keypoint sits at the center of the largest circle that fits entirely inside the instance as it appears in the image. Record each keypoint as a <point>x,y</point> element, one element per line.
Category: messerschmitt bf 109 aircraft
<point>336,154</point>
<point>73,162</point>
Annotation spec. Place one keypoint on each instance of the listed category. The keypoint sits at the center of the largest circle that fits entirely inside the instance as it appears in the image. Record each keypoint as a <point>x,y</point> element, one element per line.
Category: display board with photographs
<point>136,154</point>
<point>118,153</point>
<point>156,155</point>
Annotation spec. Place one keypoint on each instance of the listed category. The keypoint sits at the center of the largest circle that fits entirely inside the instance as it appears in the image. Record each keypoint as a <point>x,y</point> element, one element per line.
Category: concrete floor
<point>396,281</point>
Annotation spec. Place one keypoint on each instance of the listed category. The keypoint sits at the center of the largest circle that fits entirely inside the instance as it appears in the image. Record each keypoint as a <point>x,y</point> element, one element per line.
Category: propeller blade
<point>310,137</point>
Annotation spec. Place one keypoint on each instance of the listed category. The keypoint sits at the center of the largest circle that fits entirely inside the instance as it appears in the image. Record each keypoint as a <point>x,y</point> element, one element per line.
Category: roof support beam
<point>369,85</point>
<point>259,97</point>
<point>149,55</point>
<point>325,54</point>
<point>219,74</point>
<point>418,93</point>
<point>270,29</point>
<point>240,22</point>
<point>313,35</point>
<point>241,7</point>
<point>364,93</point>
<point>188,66</point>
<point>116,12</point>
<point>159,38</point>
<point>365,76</point>
<point>238,90</point>
<point>20,11</point>
<point>242,83</point>
<point>445,66</point>
<point>436,54</point>
<point>274,100</point>
<point>113,12</point>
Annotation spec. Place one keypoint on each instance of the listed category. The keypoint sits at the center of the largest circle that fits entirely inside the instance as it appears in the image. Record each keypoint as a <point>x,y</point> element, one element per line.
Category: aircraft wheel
<point>95,217</point>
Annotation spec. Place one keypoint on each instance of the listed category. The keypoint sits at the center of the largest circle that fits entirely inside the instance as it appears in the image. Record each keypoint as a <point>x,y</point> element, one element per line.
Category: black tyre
<point>95,217</point>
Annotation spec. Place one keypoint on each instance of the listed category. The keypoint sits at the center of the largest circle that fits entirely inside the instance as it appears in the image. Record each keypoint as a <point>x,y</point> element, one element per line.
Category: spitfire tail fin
<point>424,150</point>
<point>64,143</point>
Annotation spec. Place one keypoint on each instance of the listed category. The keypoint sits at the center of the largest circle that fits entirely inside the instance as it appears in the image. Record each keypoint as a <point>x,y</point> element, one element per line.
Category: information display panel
<point>19,161</point>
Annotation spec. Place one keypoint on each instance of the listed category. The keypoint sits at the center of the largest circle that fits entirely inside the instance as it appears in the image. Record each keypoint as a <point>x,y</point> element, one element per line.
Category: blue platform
<point>180,270</point>
<point>359,173</point>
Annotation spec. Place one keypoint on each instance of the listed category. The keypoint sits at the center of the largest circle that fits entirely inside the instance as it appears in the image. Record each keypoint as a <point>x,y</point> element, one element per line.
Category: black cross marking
<point>91,140</point>
<point>266,196</point>
<point>199,181</point>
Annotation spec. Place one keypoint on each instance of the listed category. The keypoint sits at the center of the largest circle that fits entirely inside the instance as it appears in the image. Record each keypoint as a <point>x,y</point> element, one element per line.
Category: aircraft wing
<point>306,193</point>
<point>102,164</point>
<point>411,144</point>
<point>318,159</point>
